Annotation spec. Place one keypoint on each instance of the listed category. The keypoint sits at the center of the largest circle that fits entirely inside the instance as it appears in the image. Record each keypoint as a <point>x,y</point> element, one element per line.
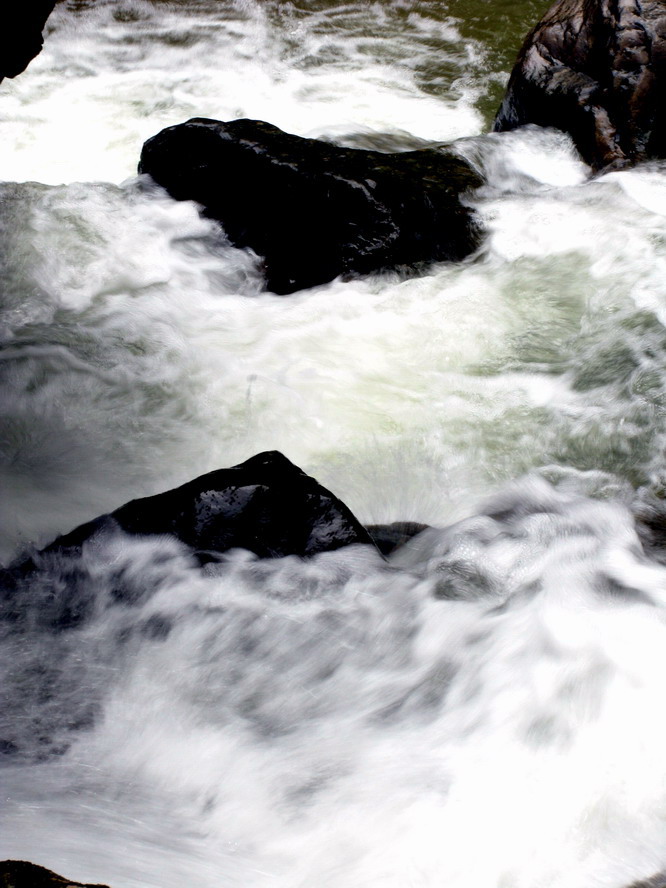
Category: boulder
<point>21,874</point>
<point>21,25</point>
<point>265,505</point>
<point>313,210</point>
<point>595,69</point>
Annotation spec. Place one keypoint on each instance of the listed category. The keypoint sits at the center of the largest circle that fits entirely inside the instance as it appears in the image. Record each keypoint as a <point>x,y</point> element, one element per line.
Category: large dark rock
<point>595,69</point>
<point>314,210</point>
<point>21,25</point>
<point>266,505</point>
<point>21,874</point>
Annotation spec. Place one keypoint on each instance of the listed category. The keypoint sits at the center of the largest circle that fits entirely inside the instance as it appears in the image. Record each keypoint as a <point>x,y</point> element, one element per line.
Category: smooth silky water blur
<point>486,709</point>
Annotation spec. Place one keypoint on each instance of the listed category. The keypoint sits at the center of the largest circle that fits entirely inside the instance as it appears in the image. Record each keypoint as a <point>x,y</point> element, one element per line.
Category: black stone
<point>595,69</point>
<point>21,25</point>
<point>22,874</point>
<point>266,505</point>
<point>314,210</point>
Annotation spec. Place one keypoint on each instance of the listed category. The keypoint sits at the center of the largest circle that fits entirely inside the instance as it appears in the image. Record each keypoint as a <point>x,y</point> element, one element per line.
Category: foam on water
<point>485,708</point>
<point>139,351</point>
<point>128,68</point>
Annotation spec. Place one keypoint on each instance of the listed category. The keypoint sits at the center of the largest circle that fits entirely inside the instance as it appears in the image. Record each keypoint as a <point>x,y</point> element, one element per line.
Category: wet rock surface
<point>596,70</point>
<point>21,25</point>
<point>265,505</point>
<point>313,210</point>
<point>22,874</point>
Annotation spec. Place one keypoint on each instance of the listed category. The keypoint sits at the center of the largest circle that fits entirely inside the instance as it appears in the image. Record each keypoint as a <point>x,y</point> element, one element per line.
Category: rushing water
<point>486,709</point>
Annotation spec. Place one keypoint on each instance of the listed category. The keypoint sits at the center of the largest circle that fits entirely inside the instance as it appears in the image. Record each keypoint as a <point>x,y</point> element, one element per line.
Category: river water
<point>486,709</point>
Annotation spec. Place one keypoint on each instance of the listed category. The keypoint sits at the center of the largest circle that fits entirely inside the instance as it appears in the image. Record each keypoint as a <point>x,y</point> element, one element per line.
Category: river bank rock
<point>595,69</point>
<point>22,874</point>
<point>313,210</point>
<point>21,26</point>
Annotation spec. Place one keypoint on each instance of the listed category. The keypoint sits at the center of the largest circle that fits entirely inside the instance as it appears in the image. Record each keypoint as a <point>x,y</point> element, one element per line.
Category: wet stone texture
<point>595,69</point>
<point>21,25</point>
<point>21,874</point>
<point>313,210</point>
<point>266,505</point>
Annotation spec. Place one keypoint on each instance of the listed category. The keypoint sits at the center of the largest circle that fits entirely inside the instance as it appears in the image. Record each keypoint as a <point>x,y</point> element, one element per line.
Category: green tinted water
<point>496,27</point>
<point>500,26</point>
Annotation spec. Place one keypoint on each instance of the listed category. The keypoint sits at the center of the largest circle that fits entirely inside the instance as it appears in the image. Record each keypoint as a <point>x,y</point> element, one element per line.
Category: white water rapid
<point>485,709</point>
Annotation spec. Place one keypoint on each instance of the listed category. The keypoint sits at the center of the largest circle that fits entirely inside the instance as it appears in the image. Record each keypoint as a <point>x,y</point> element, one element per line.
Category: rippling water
<point>483,710</point>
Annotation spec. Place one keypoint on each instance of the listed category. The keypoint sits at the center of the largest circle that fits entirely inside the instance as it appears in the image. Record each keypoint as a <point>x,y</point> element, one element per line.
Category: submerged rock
<point>22,874</point>
<point>389,537</point>
<point>21,25</point>
<point>658,881</point>
<point>313,210</point>
<point>649,511</point>
<point>595,69</point>
<point>266,505</point>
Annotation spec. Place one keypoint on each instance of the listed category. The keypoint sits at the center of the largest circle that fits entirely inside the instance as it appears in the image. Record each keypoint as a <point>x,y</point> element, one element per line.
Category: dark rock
<point>21,874</point>
<point>314,210</point>
<point>21,25</point>
<point>389,537</point>
<point>595,69</point>
<point>266,505</point>
<point>658,881</point>
<point>649,511</point>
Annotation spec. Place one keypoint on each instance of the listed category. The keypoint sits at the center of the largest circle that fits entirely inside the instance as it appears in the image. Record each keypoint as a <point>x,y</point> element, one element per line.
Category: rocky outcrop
<point>21,25</point>
<point>596,70</point>
<point>313,210</point>
<point>265,505</point>
<point>21,874</point>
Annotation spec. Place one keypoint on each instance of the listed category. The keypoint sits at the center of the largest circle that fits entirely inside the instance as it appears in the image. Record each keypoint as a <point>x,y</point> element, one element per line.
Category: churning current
<point>485,709</point>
